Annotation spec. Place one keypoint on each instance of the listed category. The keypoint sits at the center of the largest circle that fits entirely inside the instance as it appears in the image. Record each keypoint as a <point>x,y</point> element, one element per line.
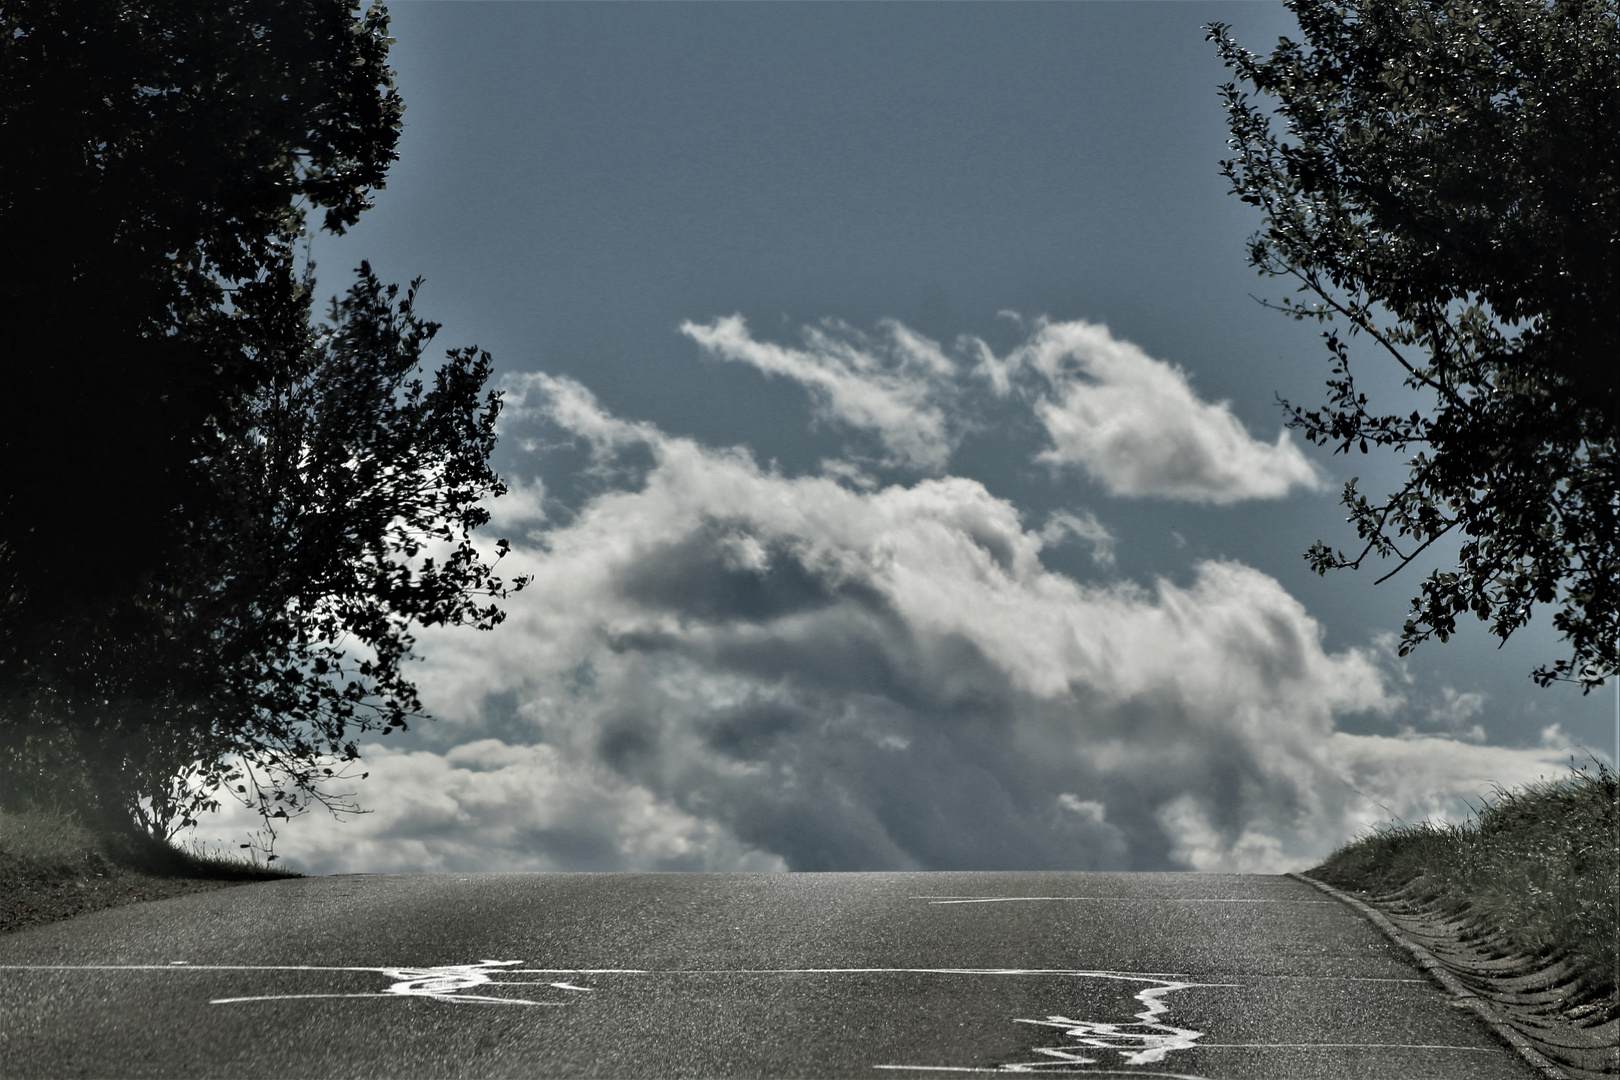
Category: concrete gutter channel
<point>1518,998</point>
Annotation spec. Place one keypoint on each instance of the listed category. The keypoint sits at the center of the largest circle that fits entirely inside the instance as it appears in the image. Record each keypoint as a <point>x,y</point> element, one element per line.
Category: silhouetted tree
<point>1443,178</point>
<point>337,520</point>
<point>156,161</point>
<point>221,519</point>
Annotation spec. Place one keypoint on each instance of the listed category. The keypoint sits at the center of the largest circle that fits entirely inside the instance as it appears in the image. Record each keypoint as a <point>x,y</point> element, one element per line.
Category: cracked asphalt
<point>1246,977</point>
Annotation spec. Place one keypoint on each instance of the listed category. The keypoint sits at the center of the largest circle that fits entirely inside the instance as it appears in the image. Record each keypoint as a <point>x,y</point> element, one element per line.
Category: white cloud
<point>1082,527</point>
<point>1131,422</point>
<point>1434,777</point>
<point>487,804</point>
<point>726,668</point>
<point>1134,423</point>
<point>1456,708</point>
<point>523,507</point>
<point>537,395</point>
<point>897,386</point>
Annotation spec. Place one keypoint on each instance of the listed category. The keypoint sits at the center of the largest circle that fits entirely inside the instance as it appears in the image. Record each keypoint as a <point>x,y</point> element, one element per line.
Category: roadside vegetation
<point>1535,871</point>
<point>52,866</point>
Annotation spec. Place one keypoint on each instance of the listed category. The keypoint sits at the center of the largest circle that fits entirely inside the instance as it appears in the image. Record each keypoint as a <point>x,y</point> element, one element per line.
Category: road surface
<point>1215,976</point>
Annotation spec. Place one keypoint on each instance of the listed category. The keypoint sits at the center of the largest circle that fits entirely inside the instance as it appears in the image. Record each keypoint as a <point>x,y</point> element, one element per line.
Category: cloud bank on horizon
<point>721,667</point>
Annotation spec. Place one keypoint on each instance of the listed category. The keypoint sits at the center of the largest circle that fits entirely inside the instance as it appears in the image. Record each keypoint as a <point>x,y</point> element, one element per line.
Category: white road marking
<point>321,967</point>
<point>1036,1067</point>
<point>1145,1040</point>
<point>1100,899</point>
<point>1151,976</point>
<point>1348,1046</point>
<point>384,994</point>
<point>479,973</point>
<point>1340,978</point>
<point>446,983</point>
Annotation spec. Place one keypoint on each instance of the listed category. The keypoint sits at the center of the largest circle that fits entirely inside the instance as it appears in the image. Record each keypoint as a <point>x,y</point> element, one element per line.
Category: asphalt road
<point>733,975</point>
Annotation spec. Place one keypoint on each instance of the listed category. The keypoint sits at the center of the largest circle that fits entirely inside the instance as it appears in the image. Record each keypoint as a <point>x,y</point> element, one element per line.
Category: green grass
<point>53,866</point>
<point>1536,870</point>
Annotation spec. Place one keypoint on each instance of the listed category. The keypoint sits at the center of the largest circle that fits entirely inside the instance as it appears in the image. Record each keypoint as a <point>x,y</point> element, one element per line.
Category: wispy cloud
<point>1063,524</point>
<point>572,407</point>
<point>723,667</point>
<point>897,386</point>
<point>1131,422</point>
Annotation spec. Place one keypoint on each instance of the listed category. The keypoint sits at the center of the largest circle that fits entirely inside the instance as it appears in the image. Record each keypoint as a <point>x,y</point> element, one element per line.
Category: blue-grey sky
<point>895,440</point>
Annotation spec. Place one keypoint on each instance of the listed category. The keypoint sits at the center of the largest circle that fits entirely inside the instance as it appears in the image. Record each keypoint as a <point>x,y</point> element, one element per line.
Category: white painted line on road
<point>386,994</point>
<point>1138,976</point>
<point>312,967</point>
<point>446,983</point>
<point>1149,976</point>
<point>1142,1043</point>
<point>1152,976</point>
<point>1144,1040</point>
<point>1120,899</point>
<point>438,979</point>
<point>1037,1067</point>
<point>1348,1046</point>
<point>1330,978</point>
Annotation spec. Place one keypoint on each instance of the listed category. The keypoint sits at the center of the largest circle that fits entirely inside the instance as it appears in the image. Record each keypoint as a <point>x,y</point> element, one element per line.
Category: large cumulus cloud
<point>491,805</point>
<point>721,667</point>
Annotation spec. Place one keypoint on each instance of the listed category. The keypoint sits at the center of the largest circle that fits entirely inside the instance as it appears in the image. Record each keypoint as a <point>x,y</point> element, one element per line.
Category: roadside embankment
<point>1521,903</point>
<point>53,867</point>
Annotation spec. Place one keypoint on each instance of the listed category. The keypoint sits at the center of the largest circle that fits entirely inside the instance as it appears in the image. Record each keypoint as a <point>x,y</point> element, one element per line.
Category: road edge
<point>45,905</point>
<point>1431,966</point>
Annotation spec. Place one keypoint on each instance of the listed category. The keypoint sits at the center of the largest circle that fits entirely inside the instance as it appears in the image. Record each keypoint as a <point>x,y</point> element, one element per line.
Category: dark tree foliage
<point>156,161</point>
<point>337,520</point>
<point>1443,178</point>
<point>222,520</point>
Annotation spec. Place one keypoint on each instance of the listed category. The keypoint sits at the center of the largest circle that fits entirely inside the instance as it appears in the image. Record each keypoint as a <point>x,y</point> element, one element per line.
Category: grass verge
<point>1536,872</point>
<point>53,867</point>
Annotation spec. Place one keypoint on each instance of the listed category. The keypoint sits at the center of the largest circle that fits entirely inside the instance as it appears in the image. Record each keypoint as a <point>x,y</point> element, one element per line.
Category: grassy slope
<point>52,867</point>
<point>1537,870</point>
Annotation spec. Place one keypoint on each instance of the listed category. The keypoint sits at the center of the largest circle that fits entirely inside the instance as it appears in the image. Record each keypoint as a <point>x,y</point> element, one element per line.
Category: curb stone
<point>1465,998</point>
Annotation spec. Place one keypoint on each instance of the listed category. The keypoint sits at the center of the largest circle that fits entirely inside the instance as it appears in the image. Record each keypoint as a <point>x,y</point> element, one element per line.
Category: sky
<point>893,436</point>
